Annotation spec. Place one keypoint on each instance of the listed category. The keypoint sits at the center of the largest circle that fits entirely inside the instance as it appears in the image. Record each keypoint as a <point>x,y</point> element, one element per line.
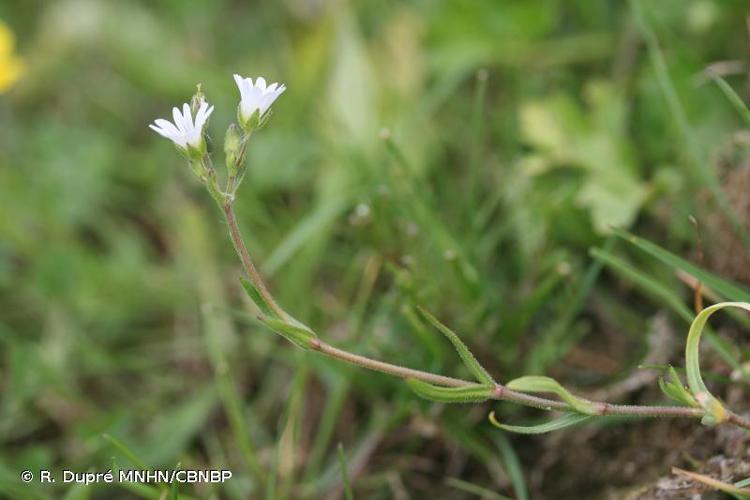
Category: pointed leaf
<point>671,386</point>
<point>533,383</point>
<point>715,411</point>
<point>466,356</point>
<point>553,425</point>
<point>299,334</point>
<point>257,298</point>
<point>469,394</point>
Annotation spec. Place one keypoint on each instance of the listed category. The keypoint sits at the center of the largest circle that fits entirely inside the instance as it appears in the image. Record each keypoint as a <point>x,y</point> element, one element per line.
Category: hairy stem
<point>500,392</point>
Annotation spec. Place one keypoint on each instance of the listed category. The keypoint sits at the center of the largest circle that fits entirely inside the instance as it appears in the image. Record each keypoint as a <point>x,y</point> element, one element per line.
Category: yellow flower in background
<point>11,66</point>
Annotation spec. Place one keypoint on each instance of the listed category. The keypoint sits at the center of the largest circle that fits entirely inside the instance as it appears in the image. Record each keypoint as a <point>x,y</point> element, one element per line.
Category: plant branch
<point>499,393</point>
<point>247,263</point>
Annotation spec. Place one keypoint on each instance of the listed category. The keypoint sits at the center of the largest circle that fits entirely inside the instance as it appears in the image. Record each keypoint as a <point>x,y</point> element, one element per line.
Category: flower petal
<point>177,117</point>
<point>160,131</point>
<point>202,116</point>
<point>188,117</point>
<point>167,126</point>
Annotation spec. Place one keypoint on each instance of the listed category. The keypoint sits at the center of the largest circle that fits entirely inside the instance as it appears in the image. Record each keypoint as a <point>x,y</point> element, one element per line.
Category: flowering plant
<point>256,98</point>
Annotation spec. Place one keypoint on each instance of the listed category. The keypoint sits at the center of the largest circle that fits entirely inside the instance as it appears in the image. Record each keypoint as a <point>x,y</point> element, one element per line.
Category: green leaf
<point>723,287</point>
<point>715,411</point>
<point>533,383</point>
<point>567,420</point>
<point>257,298</point>
<point>297,334</point>
<point>469,394</point>
<point>674,389</point>
<point>466,356</point>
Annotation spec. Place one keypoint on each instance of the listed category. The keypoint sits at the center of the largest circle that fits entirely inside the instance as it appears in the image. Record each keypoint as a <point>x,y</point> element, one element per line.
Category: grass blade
<point>127,453</point>
<point>728,290</point>
<point>348,493</point>
<point>474,489</point>
<point>733,98</point>
<point>512,466</point>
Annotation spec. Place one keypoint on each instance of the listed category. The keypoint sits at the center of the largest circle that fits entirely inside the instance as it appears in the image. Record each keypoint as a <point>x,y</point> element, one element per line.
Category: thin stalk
<point>500,392</point>
<point>247,263</point>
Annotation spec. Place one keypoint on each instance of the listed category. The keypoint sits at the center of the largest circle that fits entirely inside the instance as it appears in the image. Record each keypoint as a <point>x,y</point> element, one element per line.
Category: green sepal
<point>299,335</point>
<point>254,121</point>
<point>466,356</point>
<point>567,420</point>
<point>469,394</point>
<point>533,383</point>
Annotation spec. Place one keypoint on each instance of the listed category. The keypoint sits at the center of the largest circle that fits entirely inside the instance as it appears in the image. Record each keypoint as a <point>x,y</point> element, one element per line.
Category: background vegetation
<point>465,156</point>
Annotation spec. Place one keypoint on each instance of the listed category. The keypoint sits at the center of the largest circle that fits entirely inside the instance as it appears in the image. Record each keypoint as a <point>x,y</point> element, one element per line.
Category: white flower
<point>184,132</point>
<point>256,96</point>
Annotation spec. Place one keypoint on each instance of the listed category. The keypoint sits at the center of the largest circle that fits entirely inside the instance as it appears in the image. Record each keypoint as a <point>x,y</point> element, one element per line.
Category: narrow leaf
<point>533,383</point>
<point>466,356</point>
<point>567,420</point>
<point>298,335</point>
<point>673,388</point>
<point>715,411</point>
<point>257,298</point>
<point>469,394</point>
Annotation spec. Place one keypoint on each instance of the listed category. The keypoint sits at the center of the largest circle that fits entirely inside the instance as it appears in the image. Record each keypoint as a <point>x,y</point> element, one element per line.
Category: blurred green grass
<point>520,131</point>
